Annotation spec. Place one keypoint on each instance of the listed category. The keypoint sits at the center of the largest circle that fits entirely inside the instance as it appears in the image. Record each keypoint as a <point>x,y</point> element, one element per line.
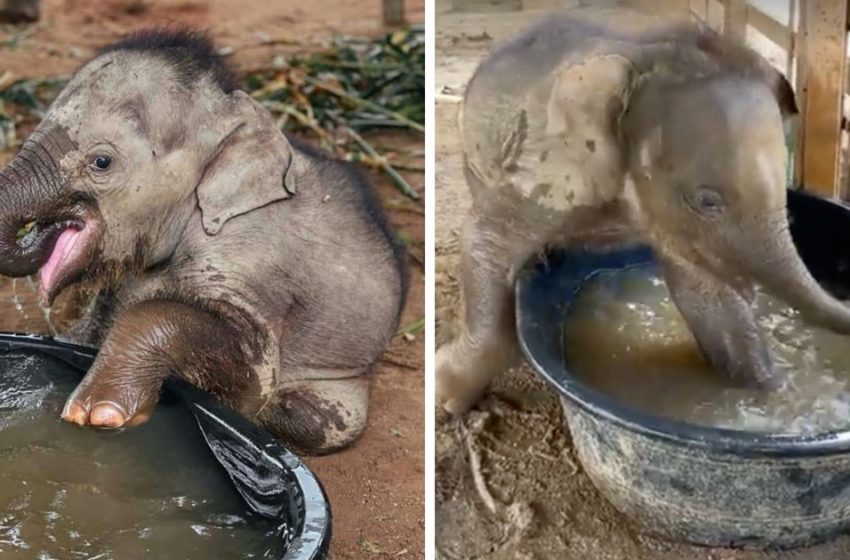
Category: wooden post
<point>792,47</point>
<point>735,19</point>
<point>714,15</point>
<point>698,9</point>
<point>820,72</point>
<point>393,12</point>
<point>800,89</point>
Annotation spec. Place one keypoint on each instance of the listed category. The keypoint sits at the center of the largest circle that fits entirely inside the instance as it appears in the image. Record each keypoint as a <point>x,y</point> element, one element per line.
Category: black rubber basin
<point>682,481</point>
<point>272,481</point>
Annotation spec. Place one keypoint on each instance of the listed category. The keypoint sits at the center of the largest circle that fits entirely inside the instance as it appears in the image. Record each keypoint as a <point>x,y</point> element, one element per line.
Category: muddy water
<point>151,492</point>
<point>624,336</point>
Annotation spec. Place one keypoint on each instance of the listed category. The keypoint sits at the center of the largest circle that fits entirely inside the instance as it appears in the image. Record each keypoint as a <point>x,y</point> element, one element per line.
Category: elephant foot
<point>461,383</point>
<point>105,415</point>
<point>104,406</point>
<point>319,417</point>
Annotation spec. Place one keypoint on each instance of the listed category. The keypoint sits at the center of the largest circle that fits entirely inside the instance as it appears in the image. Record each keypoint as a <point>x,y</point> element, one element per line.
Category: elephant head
<point>704,144</point>
<point>146,135</point>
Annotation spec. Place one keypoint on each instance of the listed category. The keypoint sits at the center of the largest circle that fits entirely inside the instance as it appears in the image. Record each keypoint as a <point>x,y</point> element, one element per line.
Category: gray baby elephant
<point>217,249</point>
<point>612,128</point>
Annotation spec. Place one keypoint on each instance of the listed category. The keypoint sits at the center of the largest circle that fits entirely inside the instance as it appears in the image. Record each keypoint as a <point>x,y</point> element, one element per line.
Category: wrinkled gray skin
<point>218,250</point>
<point>17,11</point>
<point>611,128</point>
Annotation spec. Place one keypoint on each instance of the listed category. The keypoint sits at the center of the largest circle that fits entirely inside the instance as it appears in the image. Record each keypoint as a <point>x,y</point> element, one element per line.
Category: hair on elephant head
<point>143,135</point>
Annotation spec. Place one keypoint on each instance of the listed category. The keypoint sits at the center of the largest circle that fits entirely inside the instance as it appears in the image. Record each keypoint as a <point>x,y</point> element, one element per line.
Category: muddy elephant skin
<point>212,246</point>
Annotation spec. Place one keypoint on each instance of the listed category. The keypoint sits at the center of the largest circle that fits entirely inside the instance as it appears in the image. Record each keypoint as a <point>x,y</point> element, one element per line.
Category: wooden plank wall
<point>820,82</point>
<point>735,19</point>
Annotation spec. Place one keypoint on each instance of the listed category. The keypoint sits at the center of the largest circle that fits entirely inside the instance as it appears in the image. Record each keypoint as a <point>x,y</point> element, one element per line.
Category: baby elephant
<point>609,128</point>
<point>216,248</point>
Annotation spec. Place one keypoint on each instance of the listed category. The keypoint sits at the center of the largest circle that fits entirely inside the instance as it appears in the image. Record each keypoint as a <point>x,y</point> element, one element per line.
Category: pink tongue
<point>60,251</point>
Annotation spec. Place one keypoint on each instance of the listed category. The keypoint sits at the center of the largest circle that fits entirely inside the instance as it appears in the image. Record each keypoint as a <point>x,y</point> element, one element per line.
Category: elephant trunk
<point>28,232</point>
<point>784,274</point>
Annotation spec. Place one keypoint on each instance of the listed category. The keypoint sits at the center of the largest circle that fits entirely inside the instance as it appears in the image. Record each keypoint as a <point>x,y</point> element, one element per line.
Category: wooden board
<point>393,12</point>
<point>777,32</point>
<point>820,80</point>
<point>735,19</point>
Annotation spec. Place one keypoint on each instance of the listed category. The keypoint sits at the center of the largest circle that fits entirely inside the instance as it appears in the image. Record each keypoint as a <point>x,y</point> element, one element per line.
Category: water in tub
<point>149,492</point>
<point>624,336</point>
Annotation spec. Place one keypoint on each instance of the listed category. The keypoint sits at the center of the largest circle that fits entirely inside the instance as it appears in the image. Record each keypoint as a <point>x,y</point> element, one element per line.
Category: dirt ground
<point>509,485</point>
<point>71,30</point>
<point>376,487</point>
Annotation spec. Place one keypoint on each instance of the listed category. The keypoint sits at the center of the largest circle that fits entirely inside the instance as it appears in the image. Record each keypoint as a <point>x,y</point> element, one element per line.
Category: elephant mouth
<point>68,244</point>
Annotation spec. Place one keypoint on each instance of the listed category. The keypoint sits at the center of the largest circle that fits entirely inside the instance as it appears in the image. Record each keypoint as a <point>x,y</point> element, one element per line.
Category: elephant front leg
<point>722,322</point>
<point>487,344</point>
<point>148,342</point>
<point>319,416</point>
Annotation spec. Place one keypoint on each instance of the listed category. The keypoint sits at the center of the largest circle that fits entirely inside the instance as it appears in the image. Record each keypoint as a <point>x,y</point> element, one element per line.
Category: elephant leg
<point>148,342</point>
<point>722,321</point>
<point>318,417</point>
<point>487,344</point>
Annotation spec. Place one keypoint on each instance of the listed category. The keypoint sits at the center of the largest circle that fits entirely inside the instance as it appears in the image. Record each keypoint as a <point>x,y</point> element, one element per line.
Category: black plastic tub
<point>686,482</point>
<point>272,481</point>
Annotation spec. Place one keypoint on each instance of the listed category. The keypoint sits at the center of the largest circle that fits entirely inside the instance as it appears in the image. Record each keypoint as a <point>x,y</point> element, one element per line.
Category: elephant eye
<point>102,162</point>
<point>708,200</point>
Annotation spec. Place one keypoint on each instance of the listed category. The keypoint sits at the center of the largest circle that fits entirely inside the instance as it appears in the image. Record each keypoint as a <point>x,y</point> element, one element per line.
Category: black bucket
<point>273,482</point>
<point>686,482</point>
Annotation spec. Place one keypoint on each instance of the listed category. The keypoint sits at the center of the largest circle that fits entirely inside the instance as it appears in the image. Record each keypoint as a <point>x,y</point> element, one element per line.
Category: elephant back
<point>540,113</point>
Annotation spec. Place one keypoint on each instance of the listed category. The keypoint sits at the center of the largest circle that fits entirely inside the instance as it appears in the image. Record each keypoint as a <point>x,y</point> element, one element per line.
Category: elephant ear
<point>585,106</point>
<point>590,96</point>
<point>746,61</point>
<point>253,165</point>
<point>784,93</point>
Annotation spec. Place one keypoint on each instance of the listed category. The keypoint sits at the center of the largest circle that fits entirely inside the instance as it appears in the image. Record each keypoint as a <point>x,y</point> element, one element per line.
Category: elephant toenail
<point>75,414</point>
<point>107,415</point>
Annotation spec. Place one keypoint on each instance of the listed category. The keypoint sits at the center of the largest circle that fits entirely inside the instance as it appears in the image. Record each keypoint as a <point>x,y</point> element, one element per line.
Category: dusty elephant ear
<point>252,166</point>
<point>784,94</point>
<point>741,56</point>
<point>589,96</point>
<point>584,108</point>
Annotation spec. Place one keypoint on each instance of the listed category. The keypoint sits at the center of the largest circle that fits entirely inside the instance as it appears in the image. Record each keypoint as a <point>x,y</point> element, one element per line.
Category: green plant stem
<point>412,328</point>
<point>402,185</point>
<point>364,102</point>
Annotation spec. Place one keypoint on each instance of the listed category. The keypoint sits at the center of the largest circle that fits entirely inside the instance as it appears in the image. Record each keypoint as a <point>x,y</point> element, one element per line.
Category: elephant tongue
<point>62,251</point>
